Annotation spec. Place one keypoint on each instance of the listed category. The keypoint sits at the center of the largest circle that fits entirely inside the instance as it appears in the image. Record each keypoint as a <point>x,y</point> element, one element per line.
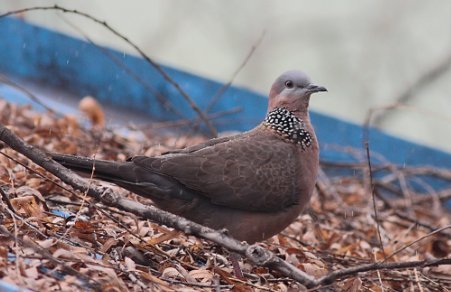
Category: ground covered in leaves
<point>55,238</point>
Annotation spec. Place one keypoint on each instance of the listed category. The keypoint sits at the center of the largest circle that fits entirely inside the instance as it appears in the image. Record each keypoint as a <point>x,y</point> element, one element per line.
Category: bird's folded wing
<point>250,174</point>
<point>207,143</point>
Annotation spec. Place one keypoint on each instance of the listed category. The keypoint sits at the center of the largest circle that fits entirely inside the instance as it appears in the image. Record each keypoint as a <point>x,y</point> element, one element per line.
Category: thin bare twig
<point>44,253</point>
<point>164,102</point>
<point>255,253</point>
<point>185,122</point>
<point>339,274</point>
<point>28,93</point>
<point>5,199</point>
<point>17,249</point>
<point>392,204</point>
<point>442,173</point>
<point>378,274</point>
<point>15,217</point>
<point>224,87</point>
<point>423,80</point>
<point>62,238</point>
<point>80,208</point>
<point>415,241</point>
<point>366,143</point>
<point>132,44</point>
<point>408,218</point>
<point>37,173</point>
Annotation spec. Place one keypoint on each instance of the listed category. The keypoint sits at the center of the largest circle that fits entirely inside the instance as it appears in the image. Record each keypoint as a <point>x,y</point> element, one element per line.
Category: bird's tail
<point>101,169</point>
<point>143,182</point>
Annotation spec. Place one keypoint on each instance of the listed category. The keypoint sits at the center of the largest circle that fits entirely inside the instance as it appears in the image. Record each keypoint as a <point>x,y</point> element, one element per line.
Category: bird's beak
<point>312,88</point>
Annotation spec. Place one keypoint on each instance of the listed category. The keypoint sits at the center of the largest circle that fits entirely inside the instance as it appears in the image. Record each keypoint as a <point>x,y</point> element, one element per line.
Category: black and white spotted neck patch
<point>288,125</point>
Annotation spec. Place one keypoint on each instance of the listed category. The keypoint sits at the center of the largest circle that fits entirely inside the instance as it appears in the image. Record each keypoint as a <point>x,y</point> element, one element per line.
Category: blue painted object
<point>61,61</point>
<point>8,287</point>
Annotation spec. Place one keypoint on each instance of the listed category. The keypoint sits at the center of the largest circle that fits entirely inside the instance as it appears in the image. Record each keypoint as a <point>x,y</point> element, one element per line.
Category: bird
<point>251,185</point>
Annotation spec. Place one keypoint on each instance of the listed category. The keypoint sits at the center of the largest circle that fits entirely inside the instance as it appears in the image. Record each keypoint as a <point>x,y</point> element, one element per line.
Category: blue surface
<point>77,66</point>
<point>7,287</point>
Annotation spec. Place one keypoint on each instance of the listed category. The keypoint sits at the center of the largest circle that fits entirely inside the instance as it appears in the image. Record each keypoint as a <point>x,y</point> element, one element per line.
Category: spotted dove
<point>253,184</point>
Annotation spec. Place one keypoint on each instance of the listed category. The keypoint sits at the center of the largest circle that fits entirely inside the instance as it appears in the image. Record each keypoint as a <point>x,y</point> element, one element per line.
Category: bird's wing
<point>207,143</point>
<point>251,174</point>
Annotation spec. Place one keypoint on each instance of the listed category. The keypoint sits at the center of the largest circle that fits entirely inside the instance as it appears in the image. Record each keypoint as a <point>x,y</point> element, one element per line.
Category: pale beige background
<point>365,52</point>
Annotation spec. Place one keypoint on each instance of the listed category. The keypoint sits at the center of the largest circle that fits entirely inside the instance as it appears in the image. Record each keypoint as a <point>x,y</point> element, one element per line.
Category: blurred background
<point>369,54</point>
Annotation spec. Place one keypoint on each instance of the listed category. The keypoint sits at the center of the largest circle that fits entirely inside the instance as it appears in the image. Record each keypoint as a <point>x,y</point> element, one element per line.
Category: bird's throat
<point>289,126</point>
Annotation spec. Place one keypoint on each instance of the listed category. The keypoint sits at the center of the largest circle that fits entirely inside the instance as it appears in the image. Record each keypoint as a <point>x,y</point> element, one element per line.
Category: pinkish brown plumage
<point>253,184</point>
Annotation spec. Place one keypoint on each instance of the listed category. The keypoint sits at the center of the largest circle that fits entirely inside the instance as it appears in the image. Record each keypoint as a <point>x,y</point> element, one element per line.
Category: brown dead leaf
<point>162,284</point>
<point>110,242</point>
<point>136,254</point>
<point>261,270</point>
<point>226,276</point>
<point>84,226</point>
<point>313,270</point>
<point>164,237</point>
<point>202,275</point>
<point>352,285</point>
<point>4,174</point>
<point>93,110</point>
<point>27,206</point>
<point>130,264</point>
<point>3,253</point>
<point>171,272</point>
<point>47,243</point>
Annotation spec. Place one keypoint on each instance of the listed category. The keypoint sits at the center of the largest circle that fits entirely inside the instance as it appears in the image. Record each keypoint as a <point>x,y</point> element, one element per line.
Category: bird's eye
<point>289,84</point>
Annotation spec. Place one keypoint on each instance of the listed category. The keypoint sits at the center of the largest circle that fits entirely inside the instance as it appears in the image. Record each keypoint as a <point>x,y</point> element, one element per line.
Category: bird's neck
<point>290,126</point>
<point>297,106</point>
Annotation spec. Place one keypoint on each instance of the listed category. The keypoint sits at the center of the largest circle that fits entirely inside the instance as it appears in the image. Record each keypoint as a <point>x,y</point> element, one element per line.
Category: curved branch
<point>256,254</point>
<point>332,277</point>
<point>154,64</point>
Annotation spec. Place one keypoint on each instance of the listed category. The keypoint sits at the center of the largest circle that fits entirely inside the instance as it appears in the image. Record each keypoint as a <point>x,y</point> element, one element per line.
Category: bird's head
<point>292,91</point>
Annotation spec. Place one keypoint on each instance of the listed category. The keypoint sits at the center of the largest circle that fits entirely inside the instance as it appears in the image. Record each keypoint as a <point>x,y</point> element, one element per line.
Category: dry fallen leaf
<point>27,206</point>
<point>125,253</point>
<point>93,110</point>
